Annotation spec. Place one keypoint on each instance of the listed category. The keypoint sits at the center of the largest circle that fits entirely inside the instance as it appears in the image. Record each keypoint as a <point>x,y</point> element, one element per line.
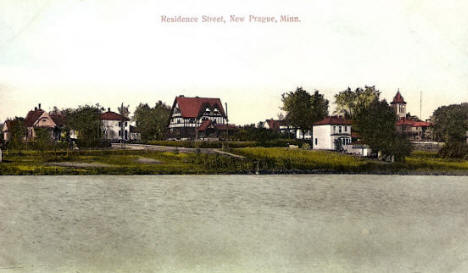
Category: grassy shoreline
<point>259,160</point>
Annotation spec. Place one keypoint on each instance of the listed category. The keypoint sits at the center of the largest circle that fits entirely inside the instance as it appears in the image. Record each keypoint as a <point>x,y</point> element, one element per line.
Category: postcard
<point>233,136</point>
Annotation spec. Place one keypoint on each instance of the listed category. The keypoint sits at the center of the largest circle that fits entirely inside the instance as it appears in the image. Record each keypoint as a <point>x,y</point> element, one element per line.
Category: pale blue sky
<point>74,52</point>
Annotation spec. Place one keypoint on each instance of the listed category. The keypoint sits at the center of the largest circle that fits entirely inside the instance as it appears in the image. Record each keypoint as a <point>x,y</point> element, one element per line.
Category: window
<point>346,128</point>
<point>316,141</point>
<point>334,129</point>
<point>120,124</point>
<point>339,128</point>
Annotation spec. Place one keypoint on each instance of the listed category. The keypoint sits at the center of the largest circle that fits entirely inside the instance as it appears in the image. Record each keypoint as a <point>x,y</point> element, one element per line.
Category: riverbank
<point>249,160</point>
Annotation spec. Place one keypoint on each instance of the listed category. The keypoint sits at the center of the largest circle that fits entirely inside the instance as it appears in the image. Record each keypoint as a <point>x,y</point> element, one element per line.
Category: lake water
<point>227,223</point>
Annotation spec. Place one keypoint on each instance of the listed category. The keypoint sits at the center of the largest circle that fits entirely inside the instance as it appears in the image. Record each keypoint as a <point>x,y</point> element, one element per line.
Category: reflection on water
<point>306,223</point>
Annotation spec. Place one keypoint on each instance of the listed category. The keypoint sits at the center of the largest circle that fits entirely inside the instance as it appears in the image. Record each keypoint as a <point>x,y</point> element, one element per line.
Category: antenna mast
<point>420,105</point>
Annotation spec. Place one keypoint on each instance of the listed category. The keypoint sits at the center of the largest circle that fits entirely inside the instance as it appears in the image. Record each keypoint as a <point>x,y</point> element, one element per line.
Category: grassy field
<point>258,159</point>
<point>283,159</point>
<point>119,162</point>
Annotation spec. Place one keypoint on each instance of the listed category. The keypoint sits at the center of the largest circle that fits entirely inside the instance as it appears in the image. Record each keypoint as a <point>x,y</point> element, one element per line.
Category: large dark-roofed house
<point>197,118</point>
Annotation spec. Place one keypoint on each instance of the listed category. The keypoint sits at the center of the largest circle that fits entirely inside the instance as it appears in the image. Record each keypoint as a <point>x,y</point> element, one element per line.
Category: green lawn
<point>117,162</point>
<point>264,160</point>
<point>280,159</point>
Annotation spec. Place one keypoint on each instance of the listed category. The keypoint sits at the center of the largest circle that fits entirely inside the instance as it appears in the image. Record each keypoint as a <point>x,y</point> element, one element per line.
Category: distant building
<point>115,127</point>
<point>411,126</point>
<point>331,133</point>
<point>280,126</point>
<point>399,105</point>
<point>6,130</point>
<point>134,133</point>
<point>197,118</point>
<point>415,130</point>
<point>39,118</point>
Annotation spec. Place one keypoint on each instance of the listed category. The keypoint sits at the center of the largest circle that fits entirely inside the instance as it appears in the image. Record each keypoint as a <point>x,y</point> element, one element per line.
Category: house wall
<point>6,134</point>
<point>322,138</point>
<point>44,121</point>
<point>361,150</point>
<point>184,128</point>
<point>325,136</point>
<point>307,135</point>
<point>111,129</point>
<point>400,110</point>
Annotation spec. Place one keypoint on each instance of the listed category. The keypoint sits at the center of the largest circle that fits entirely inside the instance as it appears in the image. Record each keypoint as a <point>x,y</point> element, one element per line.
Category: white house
<point>301,135</point>
<point>331,133</point>
<point>281,126</point>
<point>115,126</point>
<point>6,130</point>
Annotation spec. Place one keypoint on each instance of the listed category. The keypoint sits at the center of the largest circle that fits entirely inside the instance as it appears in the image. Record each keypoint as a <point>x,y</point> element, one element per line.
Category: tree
<point>302,109</point>
<point>451,123</point>
<point>87,122</point>
<point>152,122</point>
<point>376,124</point>
<point>280,116</point>
<point>43,139</point>
<point>349,102</point>
<point>18,132</point>
<point>450,126</point>
<point>124,110</point>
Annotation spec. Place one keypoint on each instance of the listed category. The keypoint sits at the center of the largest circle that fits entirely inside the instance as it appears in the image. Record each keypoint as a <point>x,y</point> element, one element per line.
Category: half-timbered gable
<point>190,115</point>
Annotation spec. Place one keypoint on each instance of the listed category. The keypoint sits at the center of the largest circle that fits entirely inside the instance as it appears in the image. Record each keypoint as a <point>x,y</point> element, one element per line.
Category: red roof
<point>32,117</point>
<point>275,124</point>
<point>205,124</point>
<point>59,119</point>
<point>225,126</point>
<point>398,98</point>
<point>333,120</point>
<point>194,107</point>
<point>113,116</point>
<point>412,123</point>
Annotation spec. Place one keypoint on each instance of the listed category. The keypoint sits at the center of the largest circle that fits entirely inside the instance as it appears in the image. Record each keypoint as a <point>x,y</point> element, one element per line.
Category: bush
<point>454,150</point>
<point>280,142</point>
<point>98,143</point>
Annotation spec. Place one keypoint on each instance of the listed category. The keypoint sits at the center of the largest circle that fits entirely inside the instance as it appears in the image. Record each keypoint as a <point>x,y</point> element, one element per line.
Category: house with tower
<point>411,126</point>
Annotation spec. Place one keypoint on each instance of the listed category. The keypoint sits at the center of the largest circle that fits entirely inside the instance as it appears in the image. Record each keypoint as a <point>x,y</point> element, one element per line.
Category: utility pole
<point>122,127</point>
<point>420,105</point>
<point>227,124</point>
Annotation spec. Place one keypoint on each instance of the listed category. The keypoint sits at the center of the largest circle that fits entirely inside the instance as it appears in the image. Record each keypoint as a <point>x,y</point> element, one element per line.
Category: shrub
<point>454,150</point>
<point>98,143</point>
<point>280,142</point>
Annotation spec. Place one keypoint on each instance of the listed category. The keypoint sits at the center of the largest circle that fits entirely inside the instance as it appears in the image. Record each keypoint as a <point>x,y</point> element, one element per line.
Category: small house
<point>38,118</point>
<point>331,133</point>
<point>114,126</point>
